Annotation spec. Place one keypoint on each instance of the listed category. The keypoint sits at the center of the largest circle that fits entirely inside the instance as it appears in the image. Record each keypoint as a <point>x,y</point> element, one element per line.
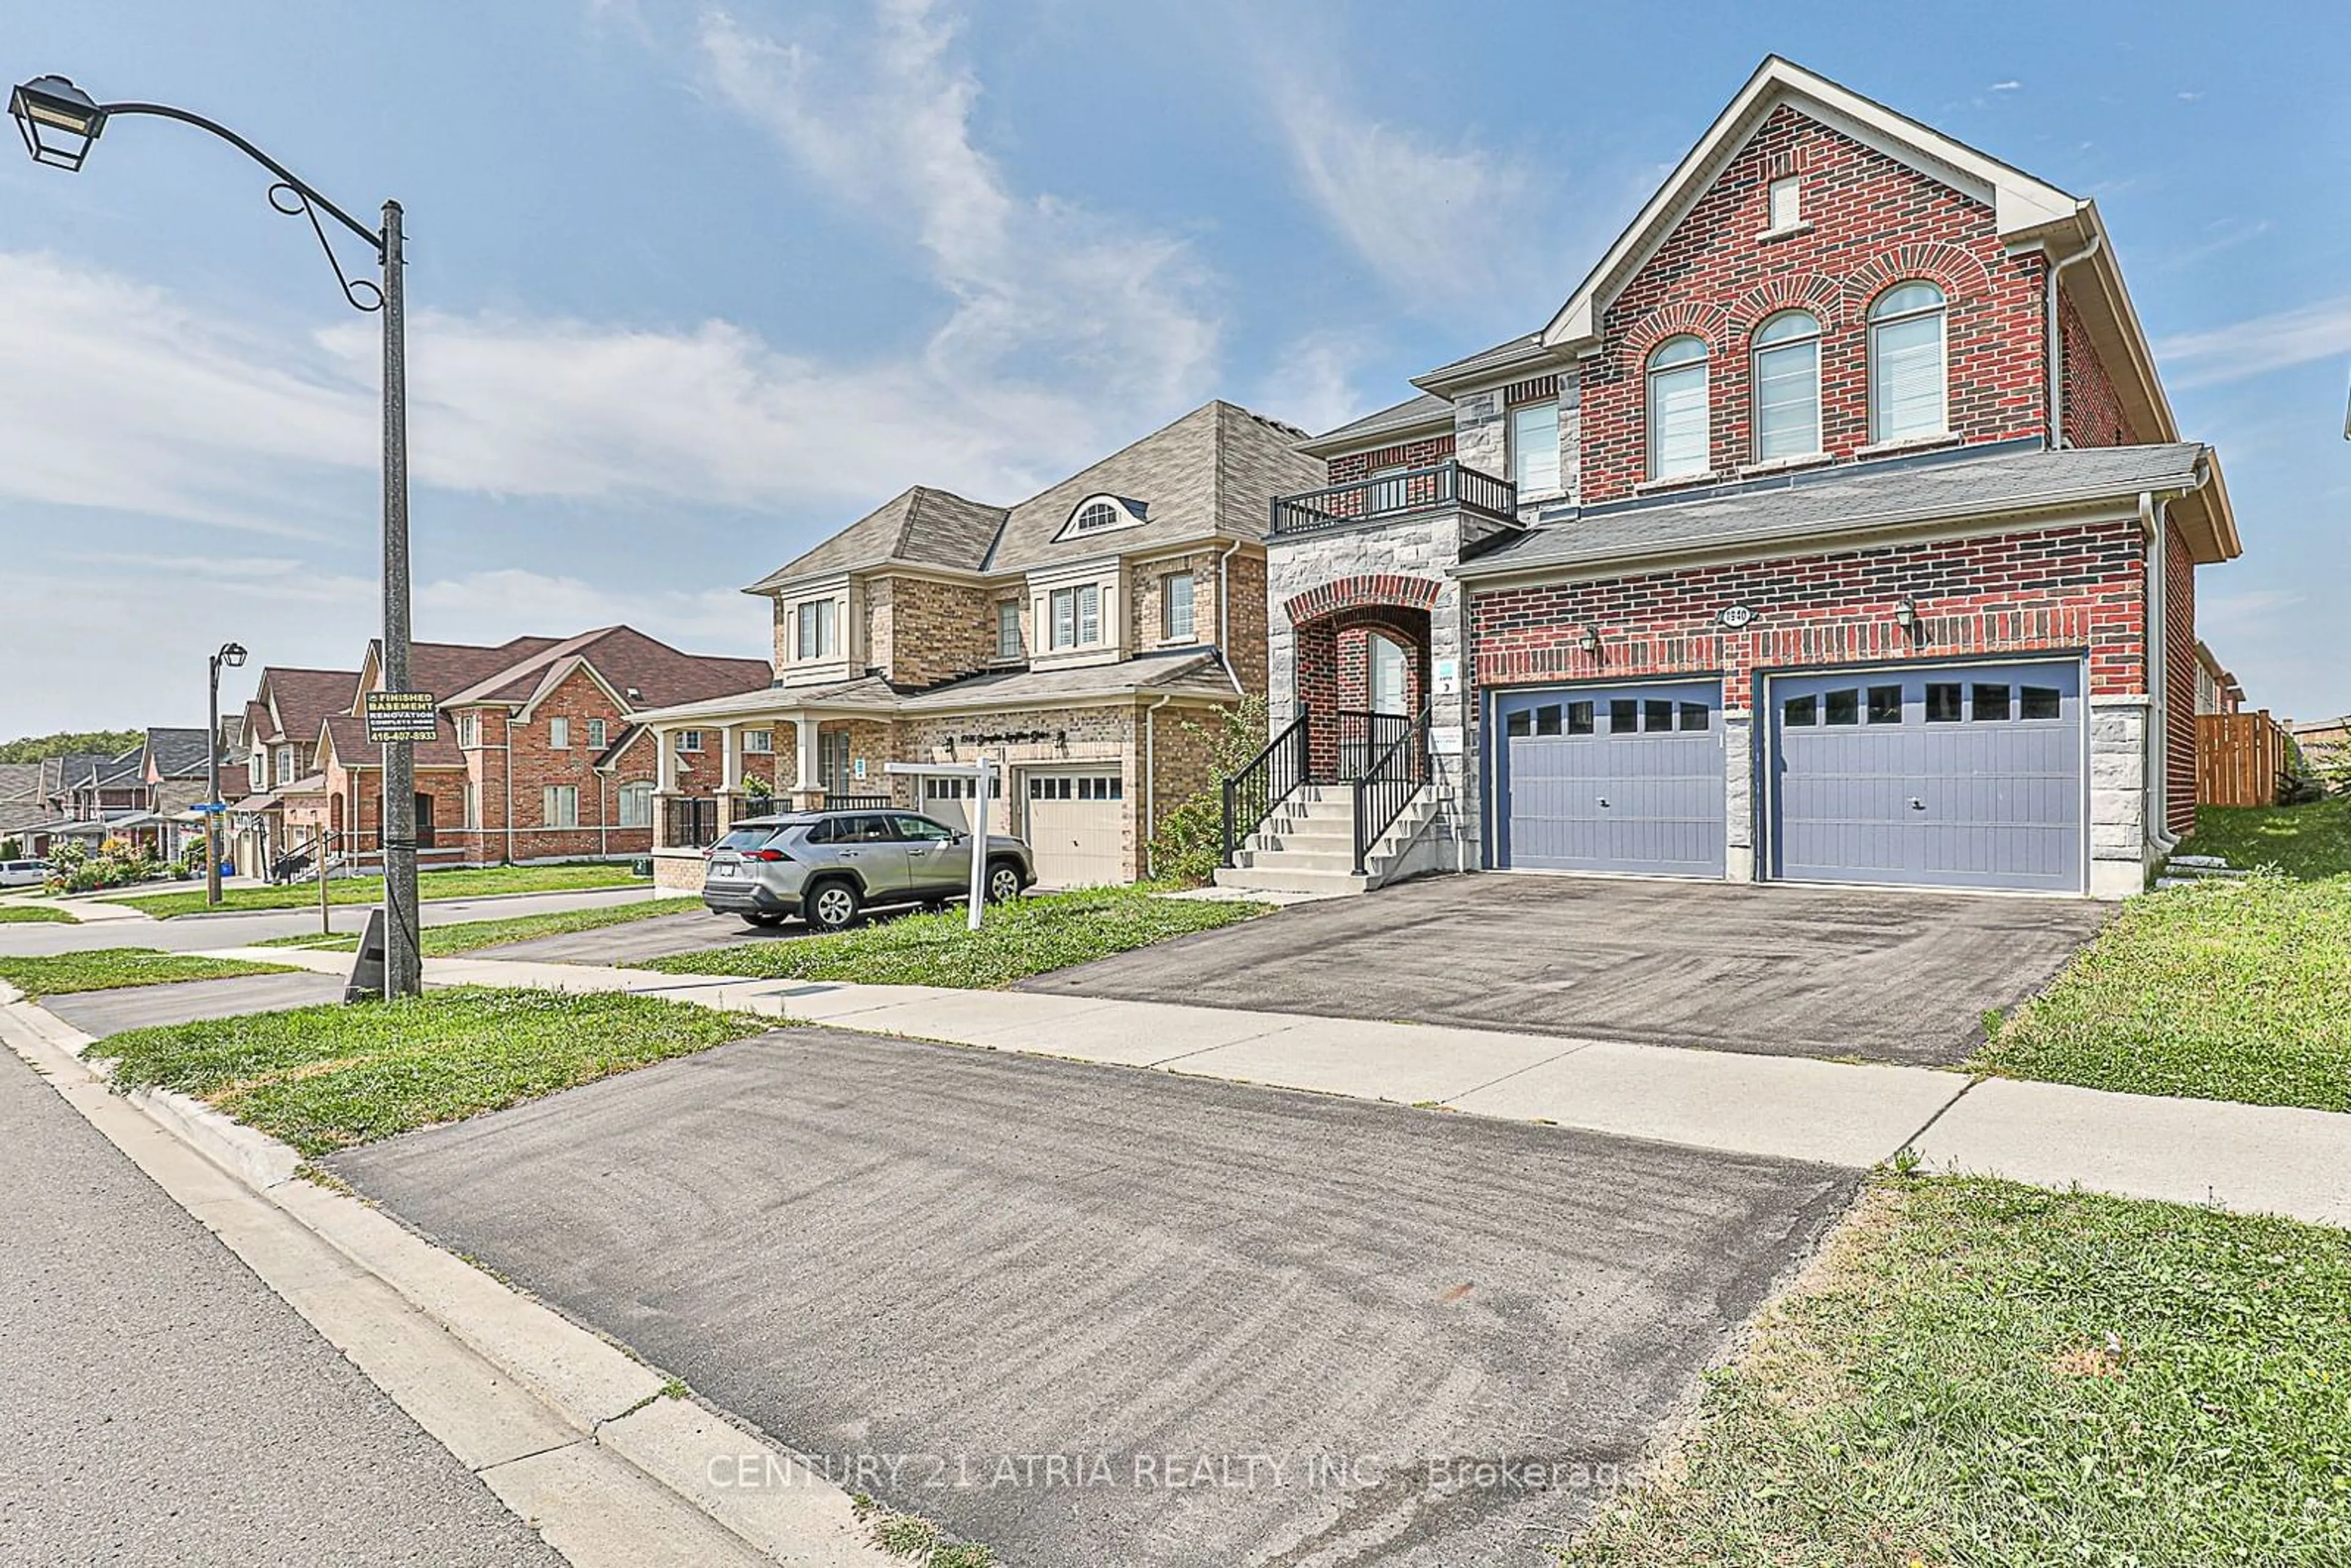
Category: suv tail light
<point>770,855</point>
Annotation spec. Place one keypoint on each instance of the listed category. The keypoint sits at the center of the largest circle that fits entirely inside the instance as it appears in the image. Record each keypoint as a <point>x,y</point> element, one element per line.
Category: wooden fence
<point>2239,759</point>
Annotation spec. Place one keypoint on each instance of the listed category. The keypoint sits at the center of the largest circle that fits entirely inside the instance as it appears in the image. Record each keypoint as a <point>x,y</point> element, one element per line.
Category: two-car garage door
<point>1959,775</point>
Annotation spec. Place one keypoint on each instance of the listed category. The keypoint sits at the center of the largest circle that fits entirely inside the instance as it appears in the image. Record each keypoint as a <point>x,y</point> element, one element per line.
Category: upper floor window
<point>595,734</point>
<point>285,764</point>
<point>817,628</point>
<point>1176,622</point>
<point>1097,513</point>
<point>760,742</point>
<point>469,729</point>
<point>1008,629</point>
<point>1077,616</point>
<point>689,740</point>
<point>558,734</point>
<point>1535,448</point>
<point>1677,408</point>
<point>1907,377</point>
<point>1787,386</point>
<point>1787,204</point>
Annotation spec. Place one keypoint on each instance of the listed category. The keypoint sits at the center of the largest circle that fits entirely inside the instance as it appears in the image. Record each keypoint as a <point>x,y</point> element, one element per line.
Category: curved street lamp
<point>60,123</point>
<point>230,654</point>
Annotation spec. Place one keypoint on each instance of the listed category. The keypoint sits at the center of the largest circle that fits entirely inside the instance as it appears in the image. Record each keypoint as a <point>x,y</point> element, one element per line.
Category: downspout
<point>2158,678</point>
<point>1224,619</point>
<point>505,768</point>
<point>1151,768</point>
<point>2056,344</point>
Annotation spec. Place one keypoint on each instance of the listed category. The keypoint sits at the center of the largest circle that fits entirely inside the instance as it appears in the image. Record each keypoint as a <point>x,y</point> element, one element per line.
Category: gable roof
<point>921,527</point>
<point>1829,508</point>
<point>626,660</point>
<point>1211,473</point>
<point>176,753</point>
<point>297,701</point>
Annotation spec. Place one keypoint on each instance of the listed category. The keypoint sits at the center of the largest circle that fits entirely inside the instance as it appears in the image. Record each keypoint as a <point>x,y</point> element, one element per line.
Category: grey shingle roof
<point>1413,414</point>
<point>1212,471</point>
<point>922,527</point>
<point>177,753</point>
<point>1184,674</point>
<point>1845,500</point>
<point>1526,346</point>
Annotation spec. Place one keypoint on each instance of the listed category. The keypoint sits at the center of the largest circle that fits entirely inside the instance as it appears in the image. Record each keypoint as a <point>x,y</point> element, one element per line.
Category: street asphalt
<point>160,1405</point>
<point>1096,1319</point>
<point>100,1013</point>
<point>1878,975</point>
<point>190,932</point>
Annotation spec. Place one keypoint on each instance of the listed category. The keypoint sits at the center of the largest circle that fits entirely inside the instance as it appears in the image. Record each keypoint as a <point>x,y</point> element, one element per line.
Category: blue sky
<point>693,287</point>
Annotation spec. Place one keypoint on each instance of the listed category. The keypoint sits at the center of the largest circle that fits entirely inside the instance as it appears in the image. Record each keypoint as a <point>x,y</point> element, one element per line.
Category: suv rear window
<point>746,839</point>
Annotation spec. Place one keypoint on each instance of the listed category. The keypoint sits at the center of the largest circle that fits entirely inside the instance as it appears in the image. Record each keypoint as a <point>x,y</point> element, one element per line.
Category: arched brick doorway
<point>1360,669</point>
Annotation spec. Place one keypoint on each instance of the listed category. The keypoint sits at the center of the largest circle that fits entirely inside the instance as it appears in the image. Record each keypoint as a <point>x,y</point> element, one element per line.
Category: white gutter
<point>2056,345</point>
<point>1224,621</point>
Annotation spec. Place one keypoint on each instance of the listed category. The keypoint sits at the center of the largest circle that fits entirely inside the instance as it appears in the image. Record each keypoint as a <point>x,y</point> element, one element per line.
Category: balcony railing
<point>1446,487</point>
<point>690,822</point>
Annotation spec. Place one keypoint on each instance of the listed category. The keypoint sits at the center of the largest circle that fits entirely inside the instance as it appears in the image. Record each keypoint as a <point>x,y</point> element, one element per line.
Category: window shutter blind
<point>1787,401</point>
<point>1907,380</point>
<point>1677,420</point>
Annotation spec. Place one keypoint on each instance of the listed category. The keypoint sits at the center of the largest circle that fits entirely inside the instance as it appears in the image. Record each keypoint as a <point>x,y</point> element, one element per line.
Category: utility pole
<point>403,964</point>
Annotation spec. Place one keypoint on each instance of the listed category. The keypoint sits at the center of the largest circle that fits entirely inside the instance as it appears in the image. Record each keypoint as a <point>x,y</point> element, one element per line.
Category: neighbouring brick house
<point>1835,528</point>
<point>1066,638</point>
<point>539,755</point>
<point>143,795</point>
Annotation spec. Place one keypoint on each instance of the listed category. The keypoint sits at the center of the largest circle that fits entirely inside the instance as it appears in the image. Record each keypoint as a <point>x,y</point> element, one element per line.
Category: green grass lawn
<point>431,885</point>
<point>27,913</point>
<point>327,1078</point>
<point>2219,991</point>
<point>449,941</point>
<point>1015,940</point>
<point>1987,1374</point>
<point>105,968</point>
<point>2303,841</point>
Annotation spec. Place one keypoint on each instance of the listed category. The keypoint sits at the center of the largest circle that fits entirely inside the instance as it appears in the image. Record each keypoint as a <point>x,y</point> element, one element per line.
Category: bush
<point>12,849</point>
<point>1190,844</point>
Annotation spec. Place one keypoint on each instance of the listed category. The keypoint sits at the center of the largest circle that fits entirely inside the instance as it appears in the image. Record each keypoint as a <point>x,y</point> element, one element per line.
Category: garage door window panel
<point>1943,705</point>
<point>1801,712</point>
<point>1990,704</point>
<point>1579,718</point>
<point>1886,705</point>
<point>2042,702</point>
<point>1624,715</point>
<point>1843,705</point>
<point>1546,719</point>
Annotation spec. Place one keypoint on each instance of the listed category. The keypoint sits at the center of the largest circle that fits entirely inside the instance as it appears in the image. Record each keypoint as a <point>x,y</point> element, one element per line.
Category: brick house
<point>142,796</point>
<point>539,755</point>
<point>1835,528</point>
<point>1066,638</point>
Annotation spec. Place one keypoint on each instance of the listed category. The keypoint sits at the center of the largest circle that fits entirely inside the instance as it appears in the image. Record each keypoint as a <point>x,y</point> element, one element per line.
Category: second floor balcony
<point>1447,487</point>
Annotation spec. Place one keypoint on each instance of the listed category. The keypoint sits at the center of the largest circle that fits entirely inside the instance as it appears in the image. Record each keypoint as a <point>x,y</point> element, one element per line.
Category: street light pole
<point>60,124</point>
<point>233,655</point>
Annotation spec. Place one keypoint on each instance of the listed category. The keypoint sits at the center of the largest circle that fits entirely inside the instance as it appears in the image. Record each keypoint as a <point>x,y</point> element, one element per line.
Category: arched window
<point>1907,378</point>
<point>1678,413</point>
<point>1787,387</point>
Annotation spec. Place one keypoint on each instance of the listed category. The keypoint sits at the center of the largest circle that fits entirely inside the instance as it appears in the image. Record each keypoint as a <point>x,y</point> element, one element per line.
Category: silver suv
<point>828,866</point>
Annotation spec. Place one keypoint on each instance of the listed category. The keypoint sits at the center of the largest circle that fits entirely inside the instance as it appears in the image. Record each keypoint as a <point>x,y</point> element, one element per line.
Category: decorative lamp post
<point>60,123</point>
<point>230,654</point>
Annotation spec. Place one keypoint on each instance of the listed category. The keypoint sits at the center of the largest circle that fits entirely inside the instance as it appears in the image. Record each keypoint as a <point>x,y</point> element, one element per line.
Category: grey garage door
<point>1957,777</point>
<point>1626,778</point>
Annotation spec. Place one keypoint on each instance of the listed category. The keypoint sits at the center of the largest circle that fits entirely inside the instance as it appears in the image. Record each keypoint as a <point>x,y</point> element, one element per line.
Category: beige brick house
<point>1065,638</point>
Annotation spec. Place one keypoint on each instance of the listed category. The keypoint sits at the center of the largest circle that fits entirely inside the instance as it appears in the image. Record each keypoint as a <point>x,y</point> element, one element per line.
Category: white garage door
<point>944,798</point>
<point>1076,826</point>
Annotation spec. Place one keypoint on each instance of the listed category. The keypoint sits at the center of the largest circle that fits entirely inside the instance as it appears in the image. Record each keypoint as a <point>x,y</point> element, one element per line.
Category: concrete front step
<point>1340,859</point>
<point>1282,880</point>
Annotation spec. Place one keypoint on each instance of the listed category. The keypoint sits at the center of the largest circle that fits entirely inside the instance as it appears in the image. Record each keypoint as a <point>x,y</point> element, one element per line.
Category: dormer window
<point>1099,513</point>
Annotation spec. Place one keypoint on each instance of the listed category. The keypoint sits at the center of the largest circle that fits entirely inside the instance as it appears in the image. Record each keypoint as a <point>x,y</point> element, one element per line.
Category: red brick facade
<point>1425,452</point>
<point>2064,590</point>
<point>1869,223</point>
<point>2094,411</point>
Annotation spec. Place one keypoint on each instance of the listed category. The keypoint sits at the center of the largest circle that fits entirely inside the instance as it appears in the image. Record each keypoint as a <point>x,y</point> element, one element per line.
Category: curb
<point>457,898</point>
<point>587,1444</point>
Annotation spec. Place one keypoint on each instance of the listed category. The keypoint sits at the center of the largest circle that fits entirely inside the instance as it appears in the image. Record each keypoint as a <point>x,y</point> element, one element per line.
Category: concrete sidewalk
<point>2253,1159</point>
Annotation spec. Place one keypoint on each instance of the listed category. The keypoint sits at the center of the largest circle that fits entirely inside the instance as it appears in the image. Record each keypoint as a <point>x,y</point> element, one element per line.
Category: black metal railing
<point>858,803</point>
<point>690,822</point>
<point>745,805</point>
<point>1363,739</point>
<point>1445,486</point>
<point>1387,784</point>
<point>1268,779</point>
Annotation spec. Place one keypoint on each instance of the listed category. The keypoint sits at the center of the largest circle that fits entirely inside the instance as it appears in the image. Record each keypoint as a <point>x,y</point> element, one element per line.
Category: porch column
<point>809,792</point>
<point>730,773</point>
<point>665,784</point>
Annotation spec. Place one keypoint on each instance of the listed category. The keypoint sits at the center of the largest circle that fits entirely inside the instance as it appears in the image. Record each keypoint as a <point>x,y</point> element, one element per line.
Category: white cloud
<point>1313,382</point>
<point>481,605</point>
<point>2005,87</point>
<point>2258,346</point>
<point>1046,294</point>
<point>1425,217</point>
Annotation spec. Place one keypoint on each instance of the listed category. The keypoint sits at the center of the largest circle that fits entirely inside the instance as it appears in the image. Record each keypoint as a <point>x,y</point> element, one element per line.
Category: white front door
<point>1387,676</point>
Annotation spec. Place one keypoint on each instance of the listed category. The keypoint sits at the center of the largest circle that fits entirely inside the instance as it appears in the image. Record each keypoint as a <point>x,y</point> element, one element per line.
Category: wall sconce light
<point>1062,741</point>
<point>1589,641</point>
<point>1906,615</point>
<point>951,748</point>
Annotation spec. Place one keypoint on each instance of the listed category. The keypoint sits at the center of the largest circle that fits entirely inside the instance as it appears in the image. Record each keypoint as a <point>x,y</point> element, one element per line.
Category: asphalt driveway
<point>1883,976</point>
<point>1097,1319</point>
